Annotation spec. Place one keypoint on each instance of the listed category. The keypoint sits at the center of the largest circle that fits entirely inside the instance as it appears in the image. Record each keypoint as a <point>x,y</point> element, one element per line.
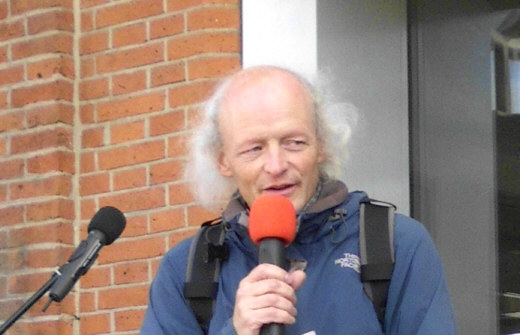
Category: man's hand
<point>266,295</point>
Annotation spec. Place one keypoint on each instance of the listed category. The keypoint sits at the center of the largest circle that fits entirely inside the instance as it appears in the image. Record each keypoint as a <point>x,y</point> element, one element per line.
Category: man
<point>265,132</point>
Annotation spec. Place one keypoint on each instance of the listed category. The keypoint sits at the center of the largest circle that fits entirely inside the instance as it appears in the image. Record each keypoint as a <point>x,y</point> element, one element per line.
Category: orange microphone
<point>272,225</point>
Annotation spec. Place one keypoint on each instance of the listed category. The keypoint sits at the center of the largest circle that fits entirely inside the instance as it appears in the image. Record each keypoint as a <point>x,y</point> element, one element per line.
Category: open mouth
<point>280,188</point>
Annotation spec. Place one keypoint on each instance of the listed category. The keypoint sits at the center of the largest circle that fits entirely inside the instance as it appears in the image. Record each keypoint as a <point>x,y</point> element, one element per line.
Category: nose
<point>276,161</point>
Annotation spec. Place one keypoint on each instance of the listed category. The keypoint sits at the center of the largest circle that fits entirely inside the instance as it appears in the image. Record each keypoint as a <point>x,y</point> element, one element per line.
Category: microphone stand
<point>29,303</point>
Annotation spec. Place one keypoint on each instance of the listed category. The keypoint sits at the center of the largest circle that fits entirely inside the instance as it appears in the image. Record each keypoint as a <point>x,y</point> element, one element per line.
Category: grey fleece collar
<point>333,193</point>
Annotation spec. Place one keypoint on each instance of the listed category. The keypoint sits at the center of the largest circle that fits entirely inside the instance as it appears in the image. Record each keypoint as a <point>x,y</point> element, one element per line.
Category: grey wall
<point>362,48</point>
<point>453,154</point>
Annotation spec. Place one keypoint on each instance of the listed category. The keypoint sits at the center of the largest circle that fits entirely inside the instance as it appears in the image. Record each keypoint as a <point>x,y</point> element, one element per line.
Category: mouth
<point>283,189</point>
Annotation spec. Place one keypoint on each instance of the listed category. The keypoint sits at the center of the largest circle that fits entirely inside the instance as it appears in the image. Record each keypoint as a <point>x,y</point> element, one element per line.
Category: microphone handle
<point>272,251</point>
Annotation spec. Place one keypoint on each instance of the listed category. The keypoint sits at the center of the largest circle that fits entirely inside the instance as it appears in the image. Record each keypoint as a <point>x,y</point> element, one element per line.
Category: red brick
<point>48,233</point>
<point>179,235</point>
<point>62,161</point>
<point>192,93</point>
<point>178,146</point>
<point>87,113</point>
<point>87,163</point>
<point>50,114</point>
<point>66,306</point>
<point>3,54</point>
<point>87,20</point>
<point>59,19</point>
<point>44,258</point>
<point>93,42</point>
<point>92,3</point>
<point>87,302</point>
<point>95,324</point>
<point>180,194</point>
<point>88,67</point>
<point>59,185</point>
<point>11,121</point>
<point>166,171</point>
<point>12,215</point>
<point>57,90</point>
<point>3,196</point>
<point>143,248</point>
<point>128,35</point>
<point>11,260</point>
<point>33,141</point>
<point>135,200</point>
<point>94,184</point>
<point>119,297</point>
<point>167,123</point>
<point>129,320</point>
<point>175,5</point>
<point>11,30</point>
<point>51,209</point>
<point>62,327</point>
<point>3,292</point>
<point>92,138</point>
<point>97,276</point>
<point>130,155</point>
<point>207,18</point>
<point>129,179</point>
<point>126,132</point>
<point>197,215</point>
<point>133,105</point>
<point>214,67</point>
<point>200,43</point>
<point>11,169</point>
<point>3,100</point>
<point>167,26</point>
<point>136,226</point>
<point>130,58</point>
<point>167,220</point>
<point>3,10</point>
<point>11,75</point>
<point>56,43</point>
<point>88,208</point>
<point>19,7</point>
<point>134,272</point>
<point>93,89</point>
<point>129,82</point>
<point>63,65</point>
<point>128,11</point>
<point>168,74</point>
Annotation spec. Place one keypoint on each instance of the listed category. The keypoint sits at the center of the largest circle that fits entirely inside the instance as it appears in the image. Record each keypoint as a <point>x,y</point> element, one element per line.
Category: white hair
<point>334,124</point>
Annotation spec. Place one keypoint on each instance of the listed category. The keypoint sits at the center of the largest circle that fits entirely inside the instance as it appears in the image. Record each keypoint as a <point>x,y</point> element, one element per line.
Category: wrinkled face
<point>269,142</point>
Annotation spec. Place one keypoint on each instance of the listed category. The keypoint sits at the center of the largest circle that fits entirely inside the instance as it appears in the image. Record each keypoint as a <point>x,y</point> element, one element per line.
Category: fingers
<point>266,295</point>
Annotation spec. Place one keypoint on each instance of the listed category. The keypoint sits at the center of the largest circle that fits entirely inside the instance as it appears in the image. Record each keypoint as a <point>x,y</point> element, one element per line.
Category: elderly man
<point>266,132</point>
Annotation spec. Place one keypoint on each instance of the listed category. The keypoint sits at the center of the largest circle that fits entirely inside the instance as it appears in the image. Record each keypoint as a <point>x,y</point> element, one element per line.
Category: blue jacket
<point>331,300</point>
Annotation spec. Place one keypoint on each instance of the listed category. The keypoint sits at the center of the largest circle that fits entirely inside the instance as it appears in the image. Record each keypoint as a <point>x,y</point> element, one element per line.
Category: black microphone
<point>106,226</point>
<point>272,225</point>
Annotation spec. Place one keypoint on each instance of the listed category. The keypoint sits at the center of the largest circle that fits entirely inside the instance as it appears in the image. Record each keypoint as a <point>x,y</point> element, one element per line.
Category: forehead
<point>266,94</point>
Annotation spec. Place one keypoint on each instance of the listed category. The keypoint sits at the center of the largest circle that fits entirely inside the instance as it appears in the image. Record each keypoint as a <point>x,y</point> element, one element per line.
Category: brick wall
<point>97,99</point>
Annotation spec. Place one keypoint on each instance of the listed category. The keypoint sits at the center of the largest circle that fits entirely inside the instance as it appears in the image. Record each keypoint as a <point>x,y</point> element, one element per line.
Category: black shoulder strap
<point>376,244</point>
<point>207,251</point>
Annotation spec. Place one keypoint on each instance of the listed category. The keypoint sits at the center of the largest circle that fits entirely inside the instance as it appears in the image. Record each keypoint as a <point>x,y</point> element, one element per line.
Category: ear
<point>322,155</point>
<point>223,165</point>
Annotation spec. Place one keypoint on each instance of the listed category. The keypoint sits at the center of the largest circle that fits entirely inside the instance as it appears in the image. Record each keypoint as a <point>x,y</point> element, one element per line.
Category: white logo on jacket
<point>349,261</point>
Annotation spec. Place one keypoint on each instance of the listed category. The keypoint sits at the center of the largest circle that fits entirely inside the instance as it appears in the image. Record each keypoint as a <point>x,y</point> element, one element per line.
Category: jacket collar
<point>332,193</point>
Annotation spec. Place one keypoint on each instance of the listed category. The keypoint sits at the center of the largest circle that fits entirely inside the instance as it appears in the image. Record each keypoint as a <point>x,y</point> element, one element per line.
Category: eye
<point>251,150</point>
<point>295,144</point>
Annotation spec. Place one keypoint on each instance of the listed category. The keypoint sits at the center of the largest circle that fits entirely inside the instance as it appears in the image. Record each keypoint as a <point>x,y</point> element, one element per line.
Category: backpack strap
<point>207,251</point>
<point>376,244</point>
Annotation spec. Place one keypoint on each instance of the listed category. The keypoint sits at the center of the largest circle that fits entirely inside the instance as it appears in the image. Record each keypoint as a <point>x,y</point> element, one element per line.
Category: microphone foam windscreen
<point>110,221</point>
<point>272,216</point>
